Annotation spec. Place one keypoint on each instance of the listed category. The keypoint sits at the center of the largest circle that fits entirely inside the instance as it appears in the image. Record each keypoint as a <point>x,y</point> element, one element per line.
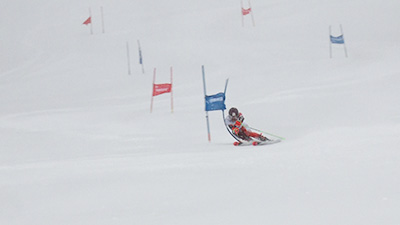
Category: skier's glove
<point>241,118</point>
<point>235,130</point>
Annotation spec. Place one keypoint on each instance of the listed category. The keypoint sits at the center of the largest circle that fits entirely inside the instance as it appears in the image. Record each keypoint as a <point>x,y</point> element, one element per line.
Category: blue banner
<point>140,56</point>
<point>337,40</point>
<point>215,102</point>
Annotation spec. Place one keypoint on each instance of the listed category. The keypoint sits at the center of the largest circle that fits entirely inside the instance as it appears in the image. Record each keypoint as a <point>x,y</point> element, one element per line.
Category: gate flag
<point>337,40</point>
<point>140,56</point>
<point>246,11</point>
<point>159,89</point>
<point>87,21</point>
<point>215,102</point>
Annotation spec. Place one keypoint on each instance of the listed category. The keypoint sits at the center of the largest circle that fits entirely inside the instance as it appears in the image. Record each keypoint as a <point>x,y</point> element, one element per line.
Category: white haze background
<point>78,144</point>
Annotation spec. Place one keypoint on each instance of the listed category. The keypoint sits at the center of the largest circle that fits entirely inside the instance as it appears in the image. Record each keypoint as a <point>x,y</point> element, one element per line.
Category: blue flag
<point>337,40</point>
<point>215,102</point>
<point>140,56</point>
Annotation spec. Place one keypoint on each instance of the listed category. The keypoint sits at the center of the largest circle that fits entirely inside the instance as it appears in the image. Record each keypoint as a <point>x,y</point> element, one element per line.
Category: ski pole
<point>282,138</point>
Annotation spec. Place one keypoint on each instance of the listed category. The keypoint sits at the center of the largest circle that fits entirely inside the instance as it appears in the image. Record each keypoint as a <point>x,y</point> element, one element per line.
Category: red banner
<point>89,20</point>
<point>246,11</point>
<point>159,89</point>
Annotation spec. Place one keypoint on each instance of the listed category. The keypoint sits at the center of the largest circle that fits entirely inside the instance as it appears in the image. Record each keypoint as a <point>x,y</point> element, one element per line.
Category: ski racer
<point>234,120</point>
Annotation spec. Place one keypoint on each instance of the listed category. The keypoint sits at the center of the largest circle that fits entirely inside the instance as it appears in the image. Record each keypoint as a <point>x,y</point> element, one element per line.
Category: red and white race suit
<point>239,128</point>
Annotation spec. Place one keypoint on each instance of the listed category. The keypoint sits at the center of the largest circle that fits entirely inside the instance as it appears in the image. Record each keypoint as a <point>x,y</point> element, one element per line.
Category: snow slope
<point>78,144</point>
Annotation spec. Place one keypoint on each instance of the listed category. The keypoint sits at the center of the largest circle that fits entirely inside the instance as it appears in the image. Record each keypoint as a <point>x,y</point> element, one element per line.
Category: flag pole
<point>330,41</point>
<point>252,17</point>
<point>241,11</point>
<point>172,96</point>
<point>344,42</point>
<point>91,22</point>
<point>152,94</point>
<point>102,18</point>
<point>129,60</point>
<point>223,114</point>
<point>140,56</point>
<point>226,85</point>
<point>223,111</point>
<point>205,94</point>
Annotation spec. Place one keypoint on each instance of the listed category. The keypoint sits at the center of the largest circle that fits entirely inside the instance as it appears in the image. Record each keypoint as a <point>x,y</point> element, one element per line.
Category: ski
<point>256,142</point>
<point>268,142</point>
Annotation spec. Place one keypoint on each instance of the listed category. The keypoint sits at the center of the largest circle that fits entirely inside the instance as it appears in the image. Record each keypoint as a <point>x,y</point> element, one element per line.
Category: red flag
<point>89,20</point>
<point>246,11</point>
<point>159,89</point>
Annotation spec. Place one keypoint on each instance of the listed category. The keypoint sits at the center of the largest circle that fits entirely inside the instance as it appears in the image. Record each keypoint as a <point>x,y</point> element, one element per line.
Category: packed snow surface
<point>78,144</point>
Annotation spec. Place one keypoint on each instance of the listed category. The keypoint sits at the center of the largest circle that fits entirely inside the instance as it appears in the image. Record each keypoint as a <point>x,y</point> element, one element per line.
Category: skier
<point>234,120</point>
